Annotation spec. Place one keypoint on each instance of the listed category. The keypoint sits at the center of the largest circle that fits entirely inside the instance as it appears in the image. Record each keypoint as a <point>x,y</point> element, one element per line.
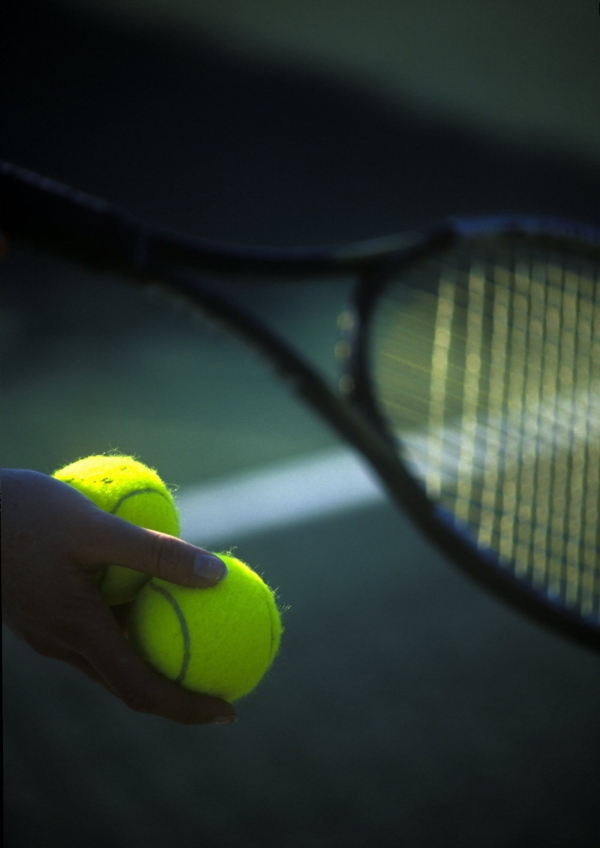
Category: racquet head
<point>478,356</point>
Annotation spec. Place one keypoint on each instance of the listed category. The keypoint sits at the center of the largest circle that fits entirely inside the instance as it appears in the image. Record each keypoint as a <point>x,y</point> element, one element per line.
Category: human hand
<point>55,543</point>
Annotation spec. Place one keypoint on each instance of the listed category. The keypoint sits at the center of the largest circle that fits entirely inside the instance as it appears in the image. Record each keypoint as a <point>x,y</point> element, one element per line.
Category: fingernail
<point>226,719</point>
<point>209,568</point>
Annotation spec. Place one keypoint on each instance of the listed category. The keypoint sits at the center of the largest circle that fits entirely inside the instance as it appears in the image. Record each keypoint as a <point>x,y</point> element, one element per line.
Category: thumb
<point>156,554</point>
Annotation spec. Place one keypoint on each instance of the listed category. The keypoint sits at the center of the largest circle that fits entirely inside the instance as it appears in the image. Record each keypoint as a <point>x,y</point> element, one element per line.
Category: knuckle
<point>168,560</point>
<point>179,709</point>
<point>43,648</point>
<point>136,700</point>
<point>190,714</point>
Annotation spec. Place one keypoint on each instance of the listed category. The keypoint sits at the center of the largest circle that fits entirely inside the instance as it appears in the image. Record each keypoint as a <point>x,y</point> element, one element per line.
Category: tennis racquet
<point>471,376</point>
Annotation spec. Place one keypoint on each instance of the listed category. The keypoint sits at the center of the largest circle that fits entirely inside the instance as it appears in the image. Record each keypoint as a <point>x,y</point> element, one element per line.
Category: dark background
<point>407,707</point>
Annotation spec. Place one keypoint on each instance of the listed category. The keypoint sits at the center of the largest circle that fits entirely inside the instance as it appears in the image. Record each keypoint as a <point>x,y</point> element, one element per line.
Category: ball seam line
<point>184,629</point>
<point>148,491</point>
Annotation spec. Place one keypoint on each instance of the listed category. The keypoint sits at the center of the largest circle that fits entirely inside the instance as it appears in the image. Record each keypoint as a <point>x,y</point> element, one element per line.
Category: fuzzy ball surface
<point>129,489</point>
<point>219,641</point>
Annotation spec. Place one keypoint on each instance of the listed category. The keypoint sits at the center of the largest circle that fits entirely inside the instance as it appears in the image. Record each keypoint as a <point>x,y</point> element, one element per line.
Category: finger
<point>83,666</point>
<point>141,688</point>
<point>118,542</point>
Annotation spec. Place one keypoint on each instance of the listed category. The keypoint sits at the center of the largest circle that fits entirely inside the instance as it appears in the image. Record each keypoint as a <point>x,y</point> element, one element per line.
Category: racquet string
<point>485,364</point>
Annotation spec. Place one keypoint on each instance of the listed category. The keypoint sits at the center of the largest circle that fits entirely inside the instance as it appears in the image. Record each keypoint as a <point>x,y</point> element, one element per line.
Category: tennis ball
<point>218,641</point>
<point>125,487</point>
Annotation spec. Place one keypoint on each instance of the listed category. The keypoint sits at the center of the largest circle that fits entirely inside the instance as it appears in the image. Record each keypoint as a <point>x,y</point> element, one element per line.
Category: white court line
<point>322,484</point>
<point>330,482</point>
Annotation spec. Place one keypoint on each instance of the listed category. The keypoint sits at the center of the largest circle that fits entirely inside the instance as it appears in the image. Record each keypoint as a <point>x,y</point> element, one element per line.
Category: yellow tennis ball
<point>125,487</point>
<point>218,641</point>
